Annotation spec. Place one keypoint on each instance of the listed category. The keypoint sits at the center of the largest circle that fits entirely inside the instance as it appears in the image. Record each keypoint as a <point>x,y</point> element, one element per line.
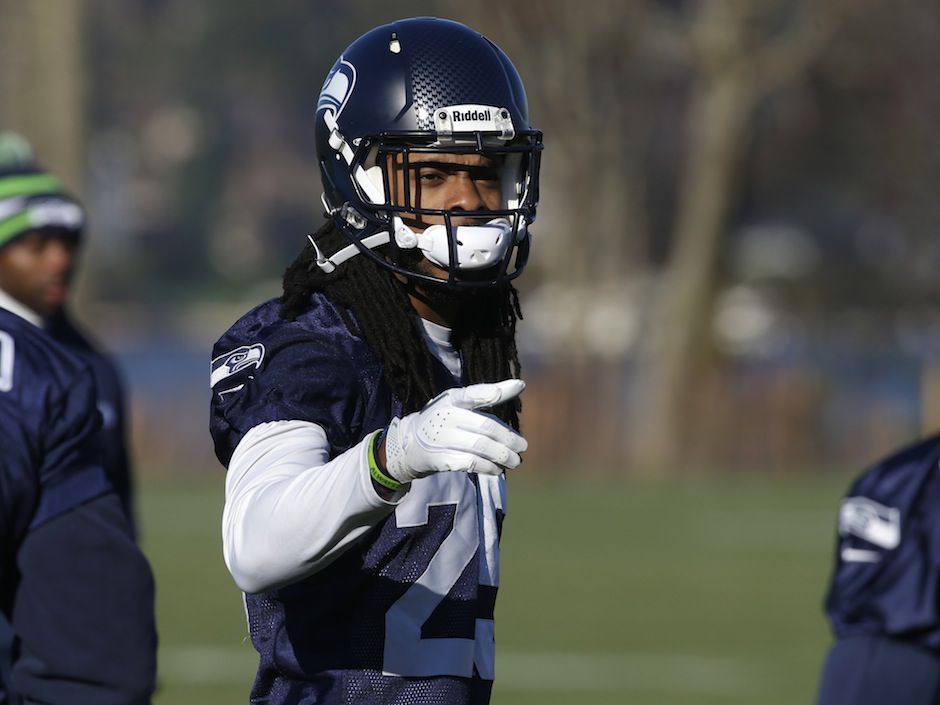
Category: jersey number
<point>406,653</point>
<point>6,361</point>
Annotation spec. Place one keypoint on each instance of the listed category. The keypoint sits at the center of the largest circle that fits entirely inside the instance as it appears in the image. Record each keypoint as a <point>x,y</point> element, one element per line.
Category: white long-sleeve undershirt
<point>289,510</point>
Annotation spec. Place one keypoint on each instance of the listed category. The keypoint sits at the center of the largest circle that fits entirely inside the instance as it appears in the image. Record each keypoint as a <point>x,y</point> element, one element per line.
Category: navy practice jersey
<point>47,408</point>
<point>74,586</point>
<point>887,573</point>
<point>110,393</point>
<point>114,456</point>
<point>405,614</point>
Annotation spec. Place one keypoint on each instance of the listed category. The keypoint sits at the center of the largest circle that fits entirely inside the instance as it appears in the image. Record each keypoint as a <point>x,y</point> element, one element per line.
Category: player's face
<point>36,269</point>
<point>460,182</point>
<point>454,182</point>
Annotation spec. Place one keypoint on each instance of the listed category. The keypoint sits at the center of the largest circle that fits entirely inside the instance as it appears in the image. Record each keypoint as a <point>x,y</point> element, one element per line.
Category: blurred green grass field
<point>612,593</point>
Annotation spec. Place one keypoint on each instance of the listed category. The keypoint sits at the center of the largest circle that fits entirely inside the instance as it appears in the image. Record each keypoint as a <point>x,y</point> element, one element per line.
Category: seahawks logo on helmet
<point>338,87</point>
<point>231,363</point>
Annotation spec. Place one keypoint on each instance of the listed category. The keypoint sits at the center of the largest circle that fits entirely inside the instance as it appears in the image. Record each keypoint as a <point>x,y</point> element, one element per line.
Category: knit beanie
<point>30,197</point>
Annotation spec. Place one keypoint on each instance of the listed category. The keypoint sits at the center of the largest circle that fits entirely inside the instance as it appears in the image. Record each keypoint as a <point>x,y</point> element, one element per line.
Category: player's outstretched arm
<point>452,433</point>
<point>290,510</point>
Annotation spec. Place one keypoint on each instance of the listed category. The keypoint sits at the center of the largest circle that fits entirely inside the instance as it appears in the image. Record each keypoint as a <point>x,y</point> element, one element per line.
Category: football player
<point>368,416</point>
<point>883,598</point>
<point>40,237</point>
<point>77,614</point>
<point>73,584</point>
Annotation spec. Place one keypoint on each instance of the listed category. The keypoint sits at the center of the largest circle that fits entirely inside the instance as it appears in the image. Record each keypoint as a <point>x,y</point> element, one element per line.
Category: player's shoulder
<point>79,342</point>
<point>65,332</point>
<point>31,361</point>
<point>266,368</point>
<point>261,340</point>
<point>901,472</point>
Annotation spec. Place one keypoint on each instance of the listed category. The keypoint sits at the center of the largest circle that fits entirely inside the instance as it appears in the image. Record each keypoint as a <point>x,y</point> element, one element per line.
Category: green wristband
<point>375,471</point>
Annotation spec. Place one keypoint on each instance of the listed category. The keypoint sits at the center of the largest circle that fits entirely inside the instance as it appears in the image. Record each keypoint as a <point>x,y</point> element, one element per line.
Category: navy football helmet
<point>397,94</point>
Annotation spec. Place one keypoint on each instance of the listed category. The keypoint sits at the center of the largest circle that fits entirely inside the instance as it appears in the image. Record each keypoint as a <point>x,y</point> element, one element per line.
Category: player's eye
<point>431,177</point>
<point>487,178</point>
<point>34,242</point>
<point>485,173</point>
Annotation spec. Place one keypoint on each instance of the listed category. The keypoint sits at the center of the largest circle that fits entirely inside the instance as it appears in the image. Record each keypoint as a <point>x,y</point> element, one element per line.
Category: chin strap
<point>328,264</point>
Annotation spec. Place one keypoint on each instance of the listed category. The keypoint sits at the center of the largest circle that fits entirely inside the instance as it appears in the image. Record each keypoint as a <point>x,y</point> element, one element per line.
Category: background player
<point>41,229</point>
<point>73,584</point>
<point>883,600</point>
<point>367,416</point>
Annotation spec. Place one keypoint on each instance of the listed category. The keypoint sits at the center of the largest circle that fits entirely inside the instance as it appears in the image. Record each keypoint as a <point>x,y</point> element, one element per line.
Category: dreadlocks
<point>375,306</point>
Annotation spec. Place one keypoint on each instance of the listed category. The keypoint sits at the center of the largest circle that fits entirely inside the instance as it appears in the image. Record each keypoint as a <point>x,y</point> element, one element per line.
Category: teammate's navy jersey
<point>110,393</point>
<point>887,573</point>
<point>405,614</point>
<point>48,465</point>
<point>74,588</point>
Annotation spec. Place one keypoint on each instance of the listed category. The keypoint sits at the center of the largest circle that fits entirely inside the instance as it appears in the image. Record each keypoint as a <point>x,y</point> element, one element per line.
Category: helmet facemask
<point>482,246</point>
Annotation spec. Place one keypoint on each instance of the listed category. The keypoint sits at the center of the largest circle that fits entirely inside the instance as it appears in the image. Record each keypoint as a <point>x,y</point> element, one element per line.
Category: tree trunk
<point>735,68</point>
<point>720,103</point>
<point>43,81</point>
<point>680,324</point>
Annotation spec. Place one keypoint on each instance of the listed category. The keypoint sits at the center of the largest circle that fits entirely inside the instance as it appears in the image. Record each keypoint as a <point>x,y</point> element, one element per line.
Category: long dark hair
<point>376,307</point>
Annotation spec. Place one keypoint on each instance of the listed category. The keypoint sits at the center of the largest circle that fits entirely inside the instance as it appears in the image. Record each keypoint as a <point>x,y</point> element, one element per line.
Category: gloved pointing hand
<point>450,434</point>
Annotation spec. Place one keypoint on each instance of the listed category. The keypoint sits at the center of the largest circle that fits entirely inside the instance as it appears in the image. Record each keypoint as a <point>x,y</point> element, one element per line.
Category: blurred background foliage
<point>735,256</point>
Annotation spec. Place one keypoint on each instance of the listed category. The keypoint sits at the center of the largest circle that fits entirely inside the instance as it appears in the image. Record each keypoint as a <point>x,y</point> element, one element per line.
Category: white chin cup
<point>478,246</point>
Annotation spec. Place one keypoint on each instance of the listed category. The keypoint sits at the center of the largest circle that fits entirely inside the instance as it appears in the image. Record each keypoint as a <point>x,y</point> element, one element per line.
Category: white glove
<point>449,434</point>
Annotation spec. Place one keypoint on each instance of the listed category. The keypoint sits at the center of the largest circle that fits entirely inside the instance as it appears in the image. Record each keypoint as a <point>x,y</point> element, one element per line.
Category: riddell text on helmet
<point>474,115</point>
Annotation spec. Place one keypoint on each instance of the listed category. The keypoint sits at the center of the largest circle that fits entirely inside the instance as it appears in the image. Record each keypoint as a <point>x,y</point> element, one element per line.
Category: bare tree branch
<point>781,60</point>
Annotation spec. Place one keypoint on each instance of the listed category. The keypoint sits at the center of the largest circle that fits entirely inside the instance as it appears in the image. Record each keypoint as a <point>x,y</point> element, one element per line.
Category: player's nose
<point>59,256</point>
<point>464,194</point>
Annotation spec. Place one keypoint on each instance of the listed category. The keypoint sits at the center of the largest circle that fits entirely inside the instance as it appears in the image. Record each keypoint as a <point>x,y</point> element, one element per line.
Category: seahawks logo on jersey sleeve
<point>874,523</point>
<point>231,363</point>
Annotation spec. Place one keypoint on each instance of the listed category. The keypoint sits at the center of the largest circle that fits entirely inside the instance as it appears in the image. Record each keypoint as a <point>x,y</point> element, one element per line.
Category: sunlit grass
<point>681,593</point>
